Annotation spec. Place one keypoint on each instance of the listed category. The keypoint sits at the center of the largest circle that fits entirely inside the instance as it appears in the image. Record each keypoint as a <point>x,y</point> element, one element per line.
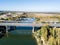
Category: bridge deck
<point>28,24</point>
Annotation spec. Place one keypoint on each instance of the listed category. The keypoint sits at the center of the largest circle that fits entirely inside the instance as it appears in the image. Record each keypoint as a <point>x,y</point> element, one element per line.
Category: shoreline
<point>37,40</point>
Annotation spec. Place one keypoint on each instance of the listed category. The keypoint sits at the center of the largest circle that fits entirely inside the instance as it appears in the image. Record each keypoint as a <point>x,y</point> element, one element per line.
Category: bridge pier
<point>33,26</point>
<point>7,28</point>
<point>33,30</point>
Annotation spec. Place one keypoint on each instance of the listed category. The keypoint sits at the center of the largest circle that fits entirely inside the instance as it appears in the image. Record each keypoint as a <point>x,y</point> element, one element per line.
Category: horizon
<point>30,5</point>
<point>29,11</point>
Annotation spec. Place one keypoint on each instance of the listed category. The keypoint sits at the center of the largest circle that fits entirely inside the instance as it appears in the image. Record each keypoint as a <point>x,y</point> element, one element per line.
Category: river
<point>15,38</point>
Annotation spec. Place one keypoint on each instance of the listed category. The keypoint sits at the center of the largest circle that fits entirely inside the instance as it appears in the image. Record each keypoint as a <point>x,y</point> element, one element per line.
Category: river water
<point>15,38</point>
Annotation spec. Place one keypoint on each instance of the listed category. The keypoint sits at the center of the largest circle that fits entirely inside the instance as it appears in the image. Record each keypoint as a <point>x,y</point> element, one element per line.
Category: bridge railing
<point>16,22</point>
<point>30,22</point>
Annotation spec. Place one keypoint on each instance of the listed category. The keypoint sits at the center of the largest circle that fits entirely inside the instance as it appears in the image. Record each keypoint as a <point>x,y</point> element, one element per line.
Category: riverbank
<point>47,36</point>
<point>40,41</point>
<point>37,39</point>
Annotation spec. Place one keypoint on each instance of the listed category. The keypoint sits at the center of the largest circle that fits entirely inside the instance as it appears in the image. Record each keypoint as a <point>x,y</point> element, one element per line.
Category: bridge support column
<point>7,31</point>
<point>55,23</point>
<point>33,30</point>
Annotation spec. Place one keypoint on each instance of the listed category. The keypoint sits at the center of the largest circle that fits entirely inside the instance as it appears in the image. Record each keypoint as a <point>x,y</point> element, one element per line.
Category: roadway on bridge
<point>29,24</point>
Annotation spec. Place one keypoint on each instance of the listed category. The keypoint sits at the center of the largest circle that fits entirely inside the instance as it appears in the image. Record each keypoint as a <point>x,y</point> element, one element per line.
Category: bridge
<point>30,24</point>
<point>33,24</point>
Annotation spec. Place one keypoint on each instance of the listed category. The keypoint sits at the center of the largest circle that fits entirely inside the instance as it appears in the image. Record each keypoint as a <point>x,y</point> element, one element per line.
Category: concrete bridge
<point>27,23</point>
<point>7,24</point>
